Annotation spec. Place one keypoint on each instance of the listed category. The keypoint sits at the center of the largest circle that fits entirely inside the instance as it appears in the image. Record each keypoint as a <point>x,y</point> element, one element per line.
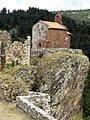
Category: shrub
<point>10,88</point>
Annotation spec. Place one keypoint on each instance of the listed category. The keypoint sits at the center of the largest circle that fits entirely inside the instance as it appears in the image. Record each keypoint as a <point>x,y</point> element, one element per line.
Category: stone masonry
<point>16,51</point>
<point>36,105</point>
<point>47,34</point>
<point>5,42</point>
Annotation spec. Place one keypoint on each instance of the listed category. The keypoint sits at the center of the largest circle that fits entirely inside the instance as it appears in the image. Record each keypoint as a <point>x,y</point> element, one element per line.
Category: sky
<point>51,5</point>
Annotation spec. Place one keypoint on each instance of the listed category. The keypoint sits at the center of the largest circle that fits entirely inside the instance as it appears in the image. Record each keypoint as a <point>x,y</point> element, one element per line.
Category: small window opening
<point>39,44</point>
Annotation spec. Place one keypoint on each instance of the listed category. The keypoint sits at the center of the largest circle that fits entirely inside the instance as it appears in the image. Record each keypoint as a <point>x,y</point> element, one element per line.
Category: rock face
<point>62,75</point>
<point>26,74</point>
<point>10,88</point>
<point>36,105</point>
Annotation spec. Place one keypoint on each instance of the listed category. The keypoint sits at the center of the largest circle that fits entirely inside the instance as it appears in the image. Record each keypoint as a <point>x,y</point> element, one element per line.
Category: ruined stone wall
<point>5,42</point>
<point>62,75</point>
<point>18,52</point>
<point>43,51</point>
<point>58,38</point>
<point>26,74</point>
<point>6,39</point>
<point>2,55</point>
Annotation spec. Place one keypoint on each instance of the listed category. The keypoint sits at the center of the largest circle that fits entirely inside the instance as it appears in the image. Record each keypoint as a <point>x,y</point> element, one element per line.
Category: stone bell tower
<point>58,18</point>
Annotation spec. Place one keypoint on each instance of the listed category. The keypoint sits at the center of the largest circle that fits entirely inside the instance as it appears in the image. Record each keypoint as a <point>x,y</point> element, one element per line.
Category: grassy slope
<point>80,15</point>
<point>8,111</point>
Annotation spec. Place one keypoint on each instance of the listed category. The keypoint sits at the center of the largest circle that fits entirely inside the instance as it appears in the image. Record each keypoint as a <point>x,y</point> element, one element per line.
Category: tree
<point>4,11</point>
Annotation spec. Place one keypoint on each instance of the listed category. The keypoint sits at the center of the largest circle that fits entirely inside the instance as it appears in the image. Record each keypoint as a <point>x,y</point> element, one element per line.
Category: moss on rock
<point>10,88</point>
<point>62,75</point>
<point>52,62</point>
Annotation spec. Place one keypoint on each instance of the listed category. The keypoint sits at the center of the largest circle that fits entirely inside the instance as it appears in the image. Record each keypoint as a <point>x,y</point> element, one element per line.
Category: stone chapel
<point>46,34</point>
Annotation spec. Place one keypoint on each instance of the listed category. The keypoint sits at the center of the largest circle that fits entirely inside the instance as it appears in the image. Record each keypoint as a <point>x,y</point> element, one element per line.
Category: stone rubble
<point>29,105</point>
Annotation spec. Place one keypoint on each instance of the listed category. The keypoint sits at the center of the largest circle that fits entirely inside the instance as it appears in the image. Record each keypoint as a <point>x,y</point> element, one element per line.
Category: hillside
<point>79,15</point>
<point>78,23</point>
<point>19,23</point>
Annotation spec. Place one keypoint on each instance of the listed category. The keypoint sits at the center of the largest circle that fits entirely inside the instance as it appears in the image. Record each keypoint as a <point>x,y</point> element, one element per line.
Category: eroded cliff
<point>62,75</point>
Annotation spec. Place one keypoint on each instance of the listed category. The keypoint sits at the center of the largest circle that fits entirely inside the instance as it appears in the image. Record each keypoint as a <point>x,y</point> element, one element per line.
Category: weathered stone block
<point>29,105</point>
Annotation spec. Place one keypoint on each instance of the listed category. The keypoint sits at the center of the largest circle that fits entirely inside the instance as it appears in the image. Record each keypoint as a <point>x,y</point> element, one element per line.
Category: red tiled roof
<point>55,25</point>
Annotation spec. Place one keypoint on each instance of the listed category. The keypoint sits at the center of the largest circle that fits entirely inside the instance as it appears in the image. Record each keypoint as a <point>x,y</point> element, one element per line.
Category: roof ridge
<point>54,25</point>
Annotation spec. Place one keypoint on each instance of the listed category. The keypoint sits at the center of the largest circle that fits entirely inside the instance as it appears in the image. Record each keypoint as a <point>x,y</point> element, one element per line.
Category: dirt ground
<point>8,111</point>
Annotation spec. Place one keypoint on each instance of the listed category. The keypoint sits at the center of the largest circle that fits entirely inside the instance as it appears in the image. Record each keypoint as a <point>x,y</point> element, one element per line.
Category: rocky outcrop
<point>36,105</point>
<point>10,88</point>
<point>62,75</point>
<point>25,73</point>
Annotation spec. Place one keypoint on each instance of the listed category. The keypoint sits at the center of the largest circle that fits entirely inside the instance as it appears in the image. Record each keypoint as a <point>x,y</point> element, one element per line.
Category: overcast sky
<point>51,5</point>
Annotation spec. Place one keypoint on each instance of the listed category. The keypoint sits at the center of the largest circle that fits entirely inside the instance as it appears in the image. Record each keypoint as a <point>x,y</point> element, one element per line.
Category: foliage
<point>80,29</point>
<point>77,116</point>
<point>11,64</point>
<point>20,22</point>
<point>10,88</point>
<point>86,118</point>
<point>35,60</point>
<point>10,70</point>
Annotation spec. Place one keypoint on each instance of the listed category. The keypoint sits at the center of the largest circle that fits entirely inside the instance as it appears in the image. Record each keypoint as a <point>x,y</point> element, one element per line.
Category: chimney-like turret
<point>58,18</point>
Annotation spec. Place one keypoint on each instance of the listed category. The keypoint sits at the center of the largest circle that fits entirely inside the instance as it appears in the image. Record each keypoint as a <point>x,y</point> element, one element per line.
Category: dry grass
<point>8,111</point>
<point>78,117</point>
